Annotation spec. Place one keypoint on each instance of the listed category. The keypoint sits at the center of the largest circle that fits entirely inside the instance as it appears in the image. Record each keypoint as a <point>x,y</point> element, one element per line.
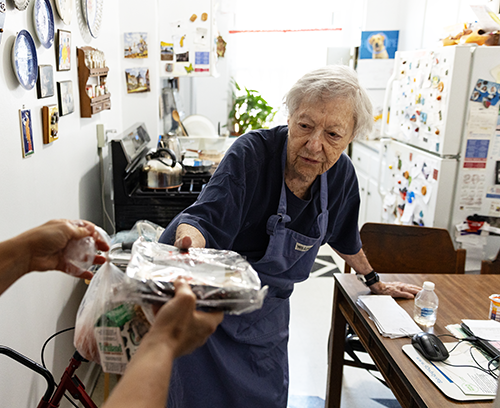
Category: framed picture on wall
<point>378,44</point>
<point>26,132</point>
<point>63,50</point>
<point>65,97</point>
<point>135,45</point>
<point>45,83</point>
<point>137,80</point>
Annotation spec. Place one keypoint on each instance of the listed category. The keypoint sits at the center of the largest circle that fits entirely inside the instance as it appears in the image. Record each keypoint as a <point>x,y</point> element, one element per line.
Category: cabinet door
<point>363,189</point>
<point>373,206</point>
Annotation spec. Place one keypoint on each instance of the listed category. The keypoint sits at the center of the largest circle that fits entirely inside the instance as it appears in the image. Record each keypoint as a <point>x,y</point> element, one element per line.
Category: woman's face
<point>318,132</point>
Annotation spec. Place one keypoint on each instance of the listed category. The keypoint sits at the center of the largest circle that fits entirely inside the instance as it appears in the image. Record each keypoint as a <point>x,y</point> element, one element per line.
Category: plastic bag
<point>108,331</point>
<point>221,280</point>
<point>79,254</point>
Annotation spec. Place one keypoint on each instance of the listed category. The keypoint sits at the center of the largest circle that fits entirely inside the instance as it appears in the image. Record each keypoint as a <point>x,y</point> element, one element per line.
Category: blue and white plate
<point>44,22</point>
<point>24,60</point>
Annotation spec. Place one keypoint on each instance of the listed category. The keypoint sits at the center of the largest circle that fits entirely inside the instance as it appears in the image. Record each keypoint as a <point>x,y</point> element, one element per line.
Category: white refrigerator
<point>440,152</point>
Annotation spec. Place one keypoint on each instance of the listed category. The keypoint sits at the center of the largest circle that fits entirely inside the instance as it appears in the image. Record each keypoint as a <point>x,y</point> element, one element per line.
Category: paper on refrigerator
<point>390,318</point>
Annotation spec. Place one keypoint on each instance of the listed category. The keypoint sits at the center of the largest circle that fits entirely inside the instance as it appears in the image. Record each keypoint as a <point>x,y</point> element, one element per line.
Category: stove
<point>132,202</point>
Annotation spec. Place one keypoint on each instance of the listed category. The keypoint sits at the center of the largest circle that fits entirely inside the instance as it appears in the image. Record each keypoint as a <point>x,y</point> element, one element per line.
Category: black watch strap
<point>369,279</point>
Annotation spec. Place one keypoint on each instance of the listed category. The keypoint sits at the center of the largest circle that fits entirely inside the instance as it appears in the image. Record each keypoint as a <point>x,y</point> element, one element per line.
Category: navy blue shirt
<point>233,208</point>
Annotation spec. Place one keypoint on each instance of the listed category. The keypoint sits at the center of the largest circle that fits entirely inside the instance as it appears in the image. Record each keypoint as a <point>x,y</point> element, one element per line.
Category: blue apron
<point>245,362</point>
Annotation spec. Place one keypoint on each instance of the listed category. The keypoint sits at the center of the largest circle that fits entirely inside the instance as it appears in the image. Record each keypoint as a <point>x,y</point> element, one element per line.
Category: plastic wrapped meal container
<point>221,280</point>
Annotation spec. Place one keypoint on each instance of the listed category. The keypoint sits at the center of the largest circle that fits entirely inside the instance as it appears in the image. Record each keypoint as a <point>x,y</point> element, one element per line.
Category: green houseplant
<point>249,111</point>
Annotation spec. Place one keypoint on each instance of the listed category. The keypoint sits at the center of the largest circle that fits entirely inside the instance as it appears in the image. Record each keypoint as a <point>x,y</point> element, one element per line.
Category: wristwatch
<point>369,279</point>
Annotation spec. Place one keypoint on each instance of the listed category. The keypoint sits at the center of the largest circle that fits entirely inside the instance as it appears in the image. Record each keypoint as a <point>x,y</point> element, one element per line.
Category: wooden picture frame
<point>63,50</point>
<point>26,132</point>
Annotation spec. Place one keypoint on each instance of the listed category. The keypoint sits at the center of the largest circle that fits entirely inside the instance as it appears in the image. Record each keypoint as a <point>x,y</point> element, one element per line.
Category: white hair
<point>331,82</point>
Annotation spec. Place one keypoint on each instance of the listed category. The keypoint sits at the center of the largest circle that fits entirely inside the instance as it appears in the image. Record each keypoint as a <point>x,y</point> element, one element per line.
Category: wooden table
<point>460,297</point>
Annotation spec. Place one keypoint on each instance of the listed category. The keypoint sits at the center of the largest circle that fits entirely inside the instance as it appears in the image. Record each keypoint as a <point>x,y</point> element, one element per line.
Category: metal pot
<point>158,173</point>
<point>197,166</point>
<point>170,141</point>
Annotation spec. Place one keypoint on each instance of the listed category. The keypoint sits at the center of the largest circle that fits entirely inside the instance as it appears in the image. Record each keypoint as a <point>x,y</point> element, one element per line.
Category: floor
<point>311,305</point>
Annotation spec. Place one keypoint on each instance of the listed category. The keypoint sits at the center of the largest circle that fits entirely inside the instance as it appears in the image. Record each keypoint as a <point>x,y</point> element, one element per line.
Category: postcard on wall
<point>45,82</point>
<point>167,51</point>
<point>378,44</point>
<point>65,97</point>
<point>63,50</point>
<point>26,132</point>
<point>183,57</point>
<point>135,45</point>
<point>137,80</point>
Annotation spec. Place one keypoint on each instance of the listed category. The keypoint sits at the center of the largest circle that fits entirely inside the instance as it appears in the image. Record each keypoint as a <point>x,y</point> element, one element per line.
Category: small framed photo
<point>63,50</point>
<point>65,97</point>
<point>137,80</point>
<point>26,132</point>
<point>45,83</point>
<point>135,45</point>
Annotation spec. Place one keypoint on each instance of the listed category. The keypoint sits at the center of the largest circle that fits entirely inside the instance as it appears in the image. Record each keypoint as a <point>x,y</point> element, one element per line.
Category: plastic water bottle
<point>426,305</point>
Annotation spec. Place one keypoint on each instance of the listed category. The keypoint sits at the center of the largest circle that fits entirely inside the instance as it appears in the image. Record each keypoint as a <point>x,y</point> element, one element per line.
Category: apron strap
<point>273,221</point>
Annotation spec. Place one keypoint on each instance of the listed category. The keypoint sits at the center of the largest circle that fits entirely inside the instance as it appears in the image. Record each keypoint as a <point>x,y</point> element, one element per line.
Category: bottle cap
<point>429,285</point>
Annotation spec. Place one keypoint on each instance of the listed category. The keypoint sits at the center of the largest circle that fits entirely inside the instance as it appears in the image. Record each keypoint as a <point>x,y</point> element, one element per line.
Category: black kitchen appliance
<point>131,201</point>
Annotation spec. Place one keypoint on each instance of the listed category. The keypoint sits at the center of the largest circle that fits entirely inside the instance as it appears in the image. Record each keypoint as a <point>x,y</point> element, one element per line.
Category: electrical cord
<point>46,342</point>
<point>478,366</point>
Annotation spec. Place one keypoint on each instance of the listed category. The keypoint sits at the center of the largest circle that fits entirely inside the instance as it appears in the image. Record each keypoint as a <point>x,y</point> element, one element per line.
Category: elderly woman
<point>276,197</point>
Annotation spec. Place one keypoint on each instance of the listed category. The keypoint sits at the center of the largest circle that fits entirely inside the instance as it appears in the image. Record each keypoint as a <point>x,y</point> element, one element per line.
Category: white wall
<point>141,107</point>
<point>59,180</point>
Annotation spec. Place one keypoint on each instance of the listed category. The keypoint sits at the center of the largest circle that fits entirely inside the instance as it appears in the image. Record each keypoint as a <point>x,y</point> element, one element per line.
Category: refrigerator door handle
<point>382,149</point>
<point>387,97</point>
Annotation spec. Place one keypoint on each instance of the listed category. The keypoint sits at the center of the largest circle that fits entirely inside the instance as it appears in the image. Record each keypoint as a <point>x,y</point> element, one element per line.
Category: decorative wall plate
<point>44,22</point>
<point>24,60</point>
<point>21,4</point>
<point>65,10</point>
<point>92,9</point>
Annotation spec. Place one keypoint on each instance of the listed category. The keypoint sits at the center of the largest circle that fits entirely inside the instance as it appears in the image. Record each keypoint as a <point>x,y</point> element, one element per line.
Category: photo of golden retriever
<point>377,41</point>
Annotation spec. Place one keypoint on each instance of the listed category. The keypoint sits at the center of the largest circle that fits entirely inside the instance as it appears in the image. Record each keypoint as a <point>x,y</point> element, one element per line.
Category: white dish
<point>93,15</point>
<point>65,10</point>
<point>21,4</point>
<point>24,60</point>
<point>198,125</point>
<point>44,22</point>
<point>202,143</point>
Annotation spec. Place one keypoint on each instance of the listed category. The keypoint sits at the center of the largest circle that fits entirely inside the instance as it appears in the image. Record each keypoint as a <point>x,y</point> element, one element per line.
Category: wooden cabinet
<point>94,97</point>
<point>365,157</point>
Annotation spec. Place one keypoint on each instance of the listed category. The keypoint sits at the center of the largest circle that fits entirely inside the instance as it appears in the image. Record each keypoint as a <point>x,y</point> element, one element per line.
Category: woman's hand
<point>395,289</point>
<point>46,244</point>
<point>179,325</point>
